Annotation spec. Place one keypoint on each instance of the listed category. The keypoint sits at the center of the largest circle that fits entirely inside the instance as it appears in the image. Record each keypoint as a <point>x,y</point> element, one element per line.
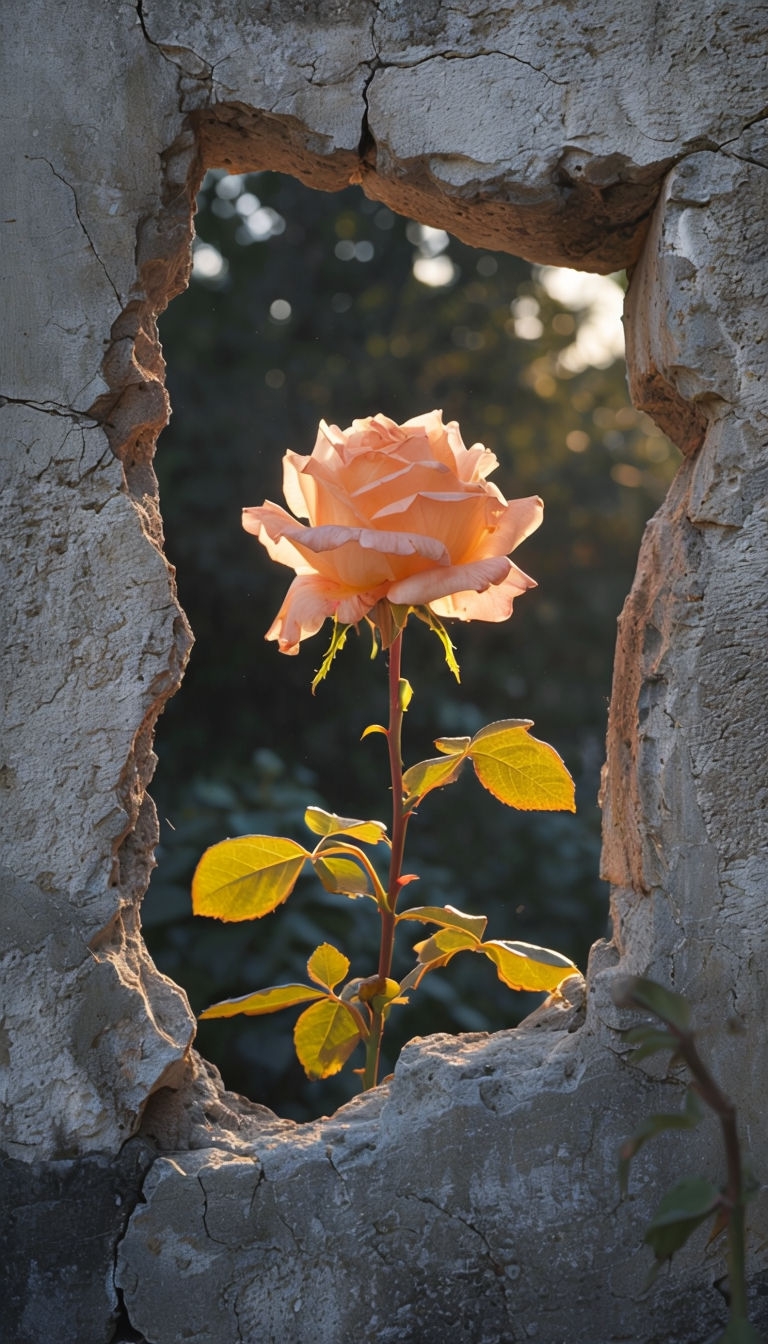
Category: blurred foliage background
<point>305,305</point>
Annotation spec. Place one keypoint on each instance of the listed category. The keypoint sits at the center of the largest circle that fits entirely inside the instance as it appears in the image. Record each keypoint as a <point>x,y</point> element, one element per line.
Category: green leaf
<point>447,917</point>
<point>342,877</point>
<point>327,966</point>
<point>680,1212</point>
<point>325,1036</point>
<point>688,1118</point>
<point>525,966</point>
<point>263,1001</point>
<point>429,618</point>
<point>638,992</point>
<point>246,878</point>
<point>338,640</point>
<point>420,779</point>
<point>328,823</point>
<point>404,693</point>
<point>649,1040</point>
<point>520,770</point>
<point>739,1331</point>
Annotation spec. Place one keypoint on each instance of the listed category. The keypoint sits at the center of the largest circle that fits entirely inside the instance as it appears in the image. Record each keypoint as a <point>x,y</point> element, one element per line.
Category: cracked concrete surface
<point>474,1197</point>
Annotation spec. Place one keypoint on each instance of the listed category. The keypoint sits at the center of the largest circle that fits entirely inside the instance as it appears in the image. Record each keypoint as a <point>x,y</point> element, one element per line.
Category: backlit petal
<point>425,588</point>
<point>269,524</point>
<point>515,521</point>
<point>492,604</point>
<point>307,604</point>
<point>362,558</point>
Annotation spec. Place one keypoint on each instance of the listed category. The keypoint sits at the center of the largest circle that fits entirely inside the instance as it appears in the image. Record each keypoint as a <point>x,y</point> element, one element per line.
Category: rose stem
<point>399,827</point>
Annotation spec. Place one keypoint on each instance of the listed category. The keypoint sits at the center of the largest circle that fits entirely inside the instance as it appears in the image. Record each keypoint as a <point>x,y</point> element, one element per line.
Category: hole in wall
<point>303,305</point>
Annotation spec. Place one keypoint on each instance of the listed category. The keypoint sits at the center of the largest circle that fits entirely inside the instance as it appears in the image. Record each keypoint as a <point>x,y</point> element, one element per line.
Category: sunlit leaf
<point>429,618</point>
<point>247,877</point>
<point>427,775</point>
<point>378,990</point>
<point>638,992</point>
<point>405,694</point>
<point>325,1036</point>
<point>437,951</point>
<point>447,917</point>
<point>520,770</point>
<point>453,746</point>
<point>354,874</point>
<point>445,944</point>
<point>524,966</point>
<point>263,1001</point>
<point>680,1212</point>
<point>328,823</point>
<point>327,966</point>
<point>338,640</point>
<point>342,877</point>
<point>414,977</point>
<point>373,728</point>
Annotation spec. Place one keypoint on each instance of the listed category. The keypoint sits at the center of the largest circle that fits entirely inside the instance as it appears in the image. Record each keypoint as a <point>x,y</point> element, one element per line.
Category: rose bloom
<point>401,512</point>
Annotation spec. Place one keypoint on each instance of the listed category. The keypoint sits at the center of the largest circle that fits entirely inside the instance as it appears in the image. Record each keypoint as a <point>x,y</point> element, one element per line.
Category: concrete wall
<point>475,1196</point>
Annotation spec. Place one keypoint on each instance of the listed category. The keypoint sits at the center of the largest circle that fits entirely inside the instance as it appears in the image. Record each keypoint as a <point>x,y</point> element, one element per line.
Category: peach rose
<point>401,512</point>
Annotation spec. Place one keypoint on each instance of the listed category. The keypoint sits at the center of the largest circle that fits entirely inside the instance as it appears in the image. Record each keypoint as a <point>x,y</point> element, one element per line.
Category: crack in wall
<point>216,1240</point>
<point>52,408</point>
<point>203,77</point>
<point>451,54</point>
<point>40,158</point>
<point>454,1216</point>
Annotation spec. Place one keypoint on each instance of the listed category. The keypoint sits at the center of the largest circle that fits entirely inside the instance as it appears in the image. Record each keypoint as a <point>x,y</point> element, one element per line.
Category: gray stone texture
<point>59,1224</point>
<point>474,1198</point>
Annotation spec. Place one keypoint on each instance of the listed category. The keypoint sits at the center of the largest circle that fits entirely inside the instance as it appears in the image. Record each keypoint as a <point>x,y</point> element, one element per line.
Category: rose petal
<point>520,517</point>
<point>361,558</point>
<point>269,524</point>
<point>493,604</point>
<point>293,466</point>
<point>307,604</point>
<point>325,496</point>
<point>351,492</point>
<point>464,522</point>
<point>374,494</point>
<point>425,588</point>
<point>375,432</point>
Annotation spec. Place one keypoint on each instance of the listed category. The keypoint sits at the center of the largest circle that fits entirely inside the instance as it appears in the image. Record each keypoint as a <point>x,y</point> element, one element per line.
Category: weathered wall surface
<point>477,1193</point>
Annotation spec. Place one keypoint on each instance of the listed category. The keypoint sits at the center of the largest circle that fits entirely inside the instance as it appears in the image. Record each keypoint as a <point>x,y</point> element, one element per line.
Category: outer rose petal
<point>293,465</point>
<point>495,604</point>
<point>359,559</point>
<point>270,524</point>
<point>426,588</point>
<point>519,519</point>
<point>308,602</point>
